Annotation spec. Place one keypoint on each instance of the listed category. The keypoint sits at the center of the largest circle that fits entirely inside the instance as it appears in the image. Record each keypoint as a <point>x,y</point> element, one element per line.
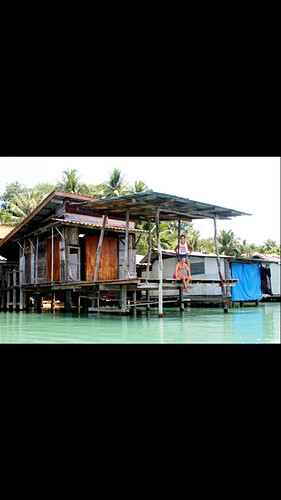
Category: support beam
<point>124,308</point>
<point>160,265</point>
<point>181,299</point>
<point>148,300</point>
<point>149,250</point>
<point>14,289</point>
<point>99,248</point>
<point>179,235</point>
<point>37,302</point>
<point>68,301</point>
<point>52,276</point>
<point>126,250</point>
<point>225,307</point>
<point>36,267</point>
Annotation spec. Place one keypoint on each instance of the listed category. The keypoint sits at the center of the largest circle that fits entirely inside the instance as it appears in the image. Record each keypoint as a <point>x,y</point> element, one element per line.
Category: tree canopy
<point>18,201</point>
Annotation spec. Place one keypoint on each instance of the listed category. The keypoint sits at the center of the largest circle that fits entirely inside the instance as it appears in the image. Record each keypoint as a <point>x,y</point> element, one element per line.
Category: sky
<point>247,184</point>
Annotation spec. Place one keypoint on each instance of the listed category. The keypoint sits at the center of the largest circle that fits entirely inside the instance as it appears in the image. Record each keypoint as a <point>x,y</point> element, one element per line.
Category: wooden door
<point>56,259</point>
<point>108,269</point>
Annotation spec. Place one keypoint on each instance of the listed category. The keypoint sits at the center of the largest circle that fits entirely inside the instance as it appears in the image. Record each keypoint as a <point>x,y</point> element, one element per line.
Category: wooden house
<point>81,246</point>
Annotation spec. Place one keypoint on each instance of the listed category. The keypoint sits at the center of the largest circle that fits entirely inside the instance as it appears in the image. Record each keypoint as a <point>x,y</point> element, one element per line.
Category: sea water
<point>246,325</point>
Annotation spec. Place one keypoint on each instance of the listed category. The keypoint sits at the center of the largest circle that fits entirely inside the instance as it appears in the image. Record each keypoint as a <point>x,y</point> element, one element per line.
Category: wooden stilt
<point>126,250</point>
<point>149,250</point>
<point>134,298</point>
<point>36,266</point>
<point>99,248</point>
<point>68,301</point>
<point>225,307</point>
<point>37,302</point>
<point>160,265</point>
<point>148,300</point>
<point>179,235</point>
<point>52,275</point>
<point>53,303</point>
<point>8,291</point>
<point>14,290</point>
<point>124,308</point>
<point>181,299</point>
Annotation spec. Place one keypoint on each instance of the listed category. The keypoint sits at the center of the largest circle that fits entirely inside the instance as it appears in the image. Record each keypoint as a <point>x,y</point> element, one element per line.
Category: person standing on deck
<point>182,250</point>
<point>178,275</point>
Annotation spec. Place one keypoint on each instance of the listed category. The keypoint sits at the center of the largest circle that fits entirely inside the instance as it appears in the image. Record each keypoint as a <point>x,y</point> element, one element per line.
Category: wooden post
<point>8,291</point>
<point>37,302</point>
<point>149,250</point>
<point>20,281</point>
<point>68,301</point>
<point>37,251</point>
<point>160,265</point>
<point>79,303</point>
<point>53,301</point>
<point>14,289</point>
<point>124,308</point>
<point>2,294</point>
<point>135,298</point>
<point>52,276</point>
<point>225,307</point>
<point>99,248</point>
<point>179,234</point>
<point>181,298</point>
<point>126,250</point>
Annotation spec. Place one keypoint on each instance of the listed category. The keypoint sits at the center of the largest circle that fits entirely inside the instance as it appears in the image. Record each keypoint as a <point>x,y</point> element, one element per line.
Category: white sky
<point>250,185</point>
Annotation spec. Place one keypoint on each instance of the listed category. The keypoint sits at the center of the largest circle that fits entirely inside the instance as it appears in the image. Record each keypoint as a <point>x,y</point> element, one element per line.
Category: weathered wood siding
<point>42,262</point>
<point>56,259</point>
<point>108,269</point>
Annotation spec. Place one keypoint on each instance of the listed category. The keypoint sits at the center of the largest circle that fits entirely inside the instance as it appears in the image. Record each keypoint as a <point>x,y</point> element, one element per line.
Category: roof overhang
<point>143,206</point>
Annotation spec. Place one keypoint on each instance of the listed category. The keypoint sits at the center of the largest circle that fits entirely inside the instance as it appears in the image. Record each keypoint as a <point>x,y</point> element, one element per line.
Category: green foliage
<point>20,206</point>
<point>70,182</point>
<point>18,201</point>
<point>43,190</point>
<point>116,186</point>
<point>11,189</point>
<point>228,244</point>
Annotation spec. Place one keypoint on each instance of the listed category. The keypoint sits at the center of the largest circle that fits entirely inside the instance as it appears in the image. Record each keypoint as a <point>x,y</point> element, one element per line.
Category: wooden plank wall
<point>56,259</point>
<point>108,269</point>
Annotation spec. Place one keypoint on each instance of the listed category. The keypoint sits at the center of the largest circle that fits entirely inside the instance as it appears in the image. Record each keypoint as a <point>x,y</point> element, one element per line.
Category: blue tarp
<point>249,286</point>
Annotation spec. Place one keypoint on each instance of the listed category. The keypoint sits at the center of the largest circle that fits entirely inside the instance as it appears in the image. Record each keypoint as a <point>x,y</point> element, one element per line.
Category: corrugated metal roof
<point>114,228</point>
<point>144,206</point>
<point>4,230</point>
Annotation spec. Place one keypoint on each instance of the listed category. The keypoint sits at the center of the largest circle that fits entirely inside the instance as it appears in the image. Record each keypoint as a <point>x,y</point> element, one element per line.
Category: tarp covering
<point>249,285</point>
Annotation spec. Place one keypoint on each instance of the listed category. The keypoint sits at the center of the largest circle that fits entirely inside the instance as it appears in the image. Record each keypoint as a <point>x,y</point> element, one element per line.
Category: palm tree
<point>70,182</point>
<point>228,244</point>
<point>139,187</point>
<point>21,205</point>
<point>115,186</point>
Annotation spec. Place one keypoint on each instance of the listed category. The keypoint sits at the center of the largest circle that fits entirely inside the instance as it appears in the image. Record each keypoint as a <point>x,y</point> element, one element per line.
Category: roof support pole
<point>225,307</point>
<point>37,251</point>
<point>126,250</point>
<point>149,250</point>
<point>160,265</point>
<point>179,235</point>
<point>100,247</point>
<point>52,275</point>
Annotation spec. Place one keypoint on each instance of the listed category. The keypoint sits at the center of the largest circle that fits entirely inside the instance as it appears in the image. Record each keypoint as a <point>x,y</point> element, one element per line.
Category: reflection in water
<point>245,325</point>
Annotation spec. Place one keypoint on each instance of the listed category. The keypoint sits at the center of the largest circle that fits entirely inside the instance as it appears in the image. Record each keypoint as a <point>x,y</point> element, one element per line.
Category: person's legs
<point>185,281</point>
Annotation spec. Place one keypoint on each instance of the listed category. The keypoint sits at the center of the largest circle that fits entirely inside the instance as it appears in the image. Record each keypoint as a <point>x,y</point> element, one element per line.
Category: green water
<point>199,325</point>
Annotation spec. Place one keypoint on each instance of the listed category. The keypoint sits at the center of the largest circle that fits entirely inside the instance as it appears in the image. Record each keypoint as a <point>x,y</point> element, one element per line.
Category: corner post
<point>126,250</point>
<point>99,248</point>
<point>160,265</point>
<point>225,307</point>
<point>52,275</point>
